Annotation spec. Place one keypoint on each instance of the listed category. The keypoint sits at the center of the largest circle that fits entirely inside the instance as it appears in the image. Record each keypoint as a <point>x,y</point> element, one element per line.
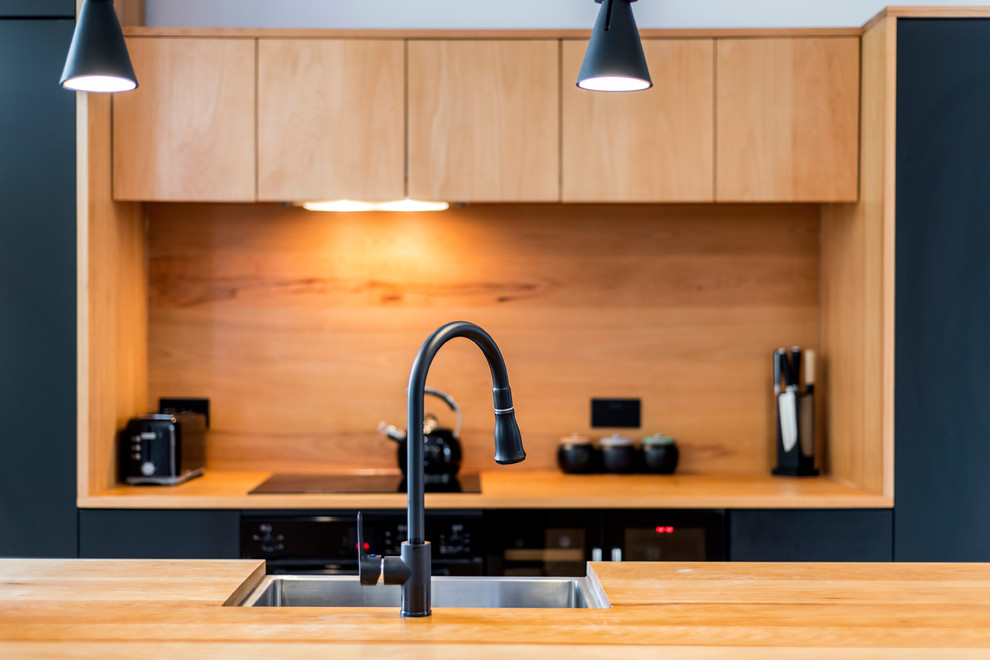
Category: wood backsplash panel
<point>301,327</point>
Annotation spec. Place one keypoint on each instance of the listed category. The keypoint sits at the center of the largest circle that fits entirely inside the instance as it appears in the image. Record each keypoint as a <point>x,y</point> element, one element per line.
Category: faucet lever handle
<point>369,566</point>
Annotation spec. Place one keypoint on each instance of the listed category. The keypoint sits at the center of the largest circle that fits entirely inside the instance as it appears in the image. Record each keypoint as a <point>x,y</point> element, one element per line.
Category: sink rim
<point>589,584</point>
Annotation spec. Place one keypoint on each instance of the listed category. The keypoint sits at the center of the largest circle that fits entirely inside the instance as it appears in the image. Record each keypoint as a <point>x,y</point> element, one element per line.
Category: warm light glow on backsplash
<point>302,328</point>
<point>350,206</point>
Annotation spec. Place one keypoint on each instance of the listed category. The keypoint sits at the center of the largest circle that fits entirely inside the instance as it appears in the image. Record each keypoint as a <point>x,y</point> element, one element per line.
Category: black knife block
<point>800,460</point>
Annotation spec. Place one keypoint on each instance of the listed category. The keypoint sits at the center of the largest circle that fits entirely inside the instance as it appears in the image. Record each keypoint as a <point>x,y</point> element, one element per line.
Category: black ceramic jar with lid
<point>658,454</point>
<point>618,454</point>
<point>576,454</point>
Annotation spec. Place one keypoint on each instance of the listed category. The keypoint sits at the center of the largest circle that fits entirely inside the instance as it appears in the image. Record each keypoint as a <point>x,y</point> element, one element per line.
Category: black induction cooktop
<point>362,483</point>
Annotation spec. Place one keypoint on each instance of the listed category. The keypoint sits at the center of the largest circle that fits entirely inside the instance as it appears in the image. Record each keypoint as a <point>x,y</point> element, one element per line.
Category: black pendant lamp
<point>98,59</point>
<point>614,61</point>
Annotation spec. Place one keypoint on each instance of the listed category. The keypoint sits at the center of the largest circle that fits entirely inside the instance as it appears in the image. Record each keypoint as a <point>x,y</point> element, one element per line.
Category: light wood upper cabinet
<point>486,120</point>
<point>651,146</point>
<point>787,119</point>
<point>188,132</point>
<point>483,120</point>
<point>331,119</point>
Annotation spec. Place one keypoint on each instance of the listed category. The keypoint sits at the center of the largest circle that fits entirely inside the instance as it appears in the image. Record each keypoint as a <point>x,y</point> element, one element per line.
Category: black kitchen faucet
<point>411,568</point>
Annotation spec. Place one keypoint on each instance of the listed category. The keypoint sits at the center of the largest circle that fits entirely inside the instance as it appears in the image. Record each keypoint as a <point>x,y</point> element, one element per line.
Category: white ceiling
<point>513,14</point>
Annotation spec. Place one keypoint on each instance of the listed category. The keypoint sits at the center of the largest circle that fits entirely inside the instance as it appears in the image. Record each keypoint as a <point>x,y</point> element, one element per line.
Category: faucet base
<point>416,601</point>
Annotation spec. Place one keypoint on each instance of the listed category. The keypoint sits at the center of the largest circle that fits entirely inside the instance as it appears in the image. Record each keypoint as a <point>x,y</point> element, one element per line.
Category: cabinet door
<point>650,146</point>
<point>37,291</point>
<point>787,119</point>
<point>187,133</point>
<point>811,535</point>
<point>942,302</point>
<point>331,119</point>
<point>484,120</point>
<point>159,534</point>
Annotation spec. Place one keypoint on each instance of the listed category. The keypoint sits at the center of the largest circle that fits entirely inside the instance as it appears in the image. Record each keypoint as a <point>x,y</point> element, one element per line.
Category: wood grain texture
<point>682,610</point>
<point>331,119</point>
<point>334,33</point>
<point>888,271</point>
<point>930,11</point>
<point>112,303</point>
<point>206,582</point>
<point>787,119</point>
<point>129,12</point>
<point>483,120</point>
<point>650,146</point>
<point>858,290</point>
<point>188,131</point>
<point>301,328</point>
<point>516,489</point>
<point>320,650</point>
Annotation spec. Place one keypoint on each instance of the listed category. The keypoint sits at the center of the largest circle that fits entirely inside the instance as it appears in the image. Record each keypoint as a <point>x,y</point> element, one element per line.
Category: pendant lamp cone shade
<point>614,61</point>
<point>98,59</point>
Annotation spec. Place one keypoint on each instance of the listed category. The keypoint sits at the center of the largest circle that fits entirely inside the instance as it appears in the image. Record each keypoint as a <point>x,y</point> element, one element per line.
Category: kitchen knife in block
<point>787,411</point>
<point>806,413</point>
<point>787,401</point>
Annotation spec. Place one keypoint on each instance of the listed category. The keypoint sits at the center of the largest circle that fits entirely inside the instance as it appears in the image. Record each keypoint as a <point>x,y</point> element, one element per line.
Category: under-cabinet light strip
<point>350,206</point>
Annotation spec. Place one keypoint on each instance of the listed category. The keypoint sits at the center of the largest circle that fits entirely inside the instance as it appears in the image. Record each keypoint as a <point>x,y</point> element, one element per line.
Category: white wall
<point>514,14</point>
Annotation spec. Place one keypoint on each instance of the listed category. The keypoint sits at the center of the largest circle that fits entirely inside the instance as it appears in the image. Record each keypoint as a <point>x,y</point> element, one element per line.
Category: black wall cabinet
<point>942,325</point>
<point>37,284</point>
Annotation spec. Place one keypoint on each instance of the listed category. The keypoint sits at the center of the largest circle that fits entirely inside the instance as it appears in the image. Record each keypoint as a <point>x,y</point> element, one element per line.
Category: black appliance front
<point>560,542</point>
<point>541,542</point>
<point>309,543</point>
<point>664,535</point>
<point>162,448</point>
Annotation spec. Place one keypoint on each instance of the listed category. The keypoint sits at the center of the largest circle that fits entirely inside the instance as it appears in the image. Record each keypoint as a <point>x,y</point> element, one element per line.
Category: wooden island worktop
<point>508,488</point>
<point>156,609</point>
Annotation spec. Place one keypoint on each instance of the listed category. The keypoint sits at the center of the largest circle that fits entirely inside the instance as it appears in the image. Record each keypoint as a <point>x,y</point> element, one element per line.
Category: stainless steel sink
<point>346,591</point>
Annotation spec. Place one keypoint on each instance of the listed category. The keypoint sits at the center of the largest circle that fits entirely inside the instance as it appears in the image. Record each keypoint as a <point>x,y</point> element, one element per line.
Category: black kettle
<point>442,446</point>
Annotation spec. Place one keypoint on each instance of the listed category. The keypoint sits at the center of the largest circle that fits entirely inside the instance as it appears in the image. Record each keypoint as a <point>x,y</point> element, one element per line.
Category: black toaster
<point>162,448</point>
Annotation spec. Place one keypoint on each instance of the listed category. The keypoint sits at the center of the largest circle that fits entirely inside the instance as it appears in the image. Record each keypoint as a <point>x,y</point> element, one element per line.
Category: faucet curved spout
<point>508,441</point>
<point>412,567</point>
<point>508,449</point>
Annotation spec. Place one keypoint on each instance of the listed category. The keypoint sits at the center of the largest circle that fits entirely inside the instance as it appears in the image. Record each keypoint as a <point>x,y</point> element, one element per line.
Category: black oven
<point>663,535</point>
<point>561,541</point>
<point>556,542</point>
<point>310,543</point>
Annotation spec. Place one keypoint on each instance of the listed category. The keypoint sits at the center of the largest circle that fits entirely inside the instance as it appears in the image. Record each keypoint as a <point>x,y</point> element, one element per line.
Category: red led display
<point>665,529</point>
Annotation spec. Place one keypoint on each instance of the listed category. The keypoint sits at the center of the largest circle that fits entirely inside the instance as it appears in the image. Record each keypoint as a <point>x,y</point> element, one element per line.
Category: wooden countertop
<point>138,608</point>
<point>509,488</point>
